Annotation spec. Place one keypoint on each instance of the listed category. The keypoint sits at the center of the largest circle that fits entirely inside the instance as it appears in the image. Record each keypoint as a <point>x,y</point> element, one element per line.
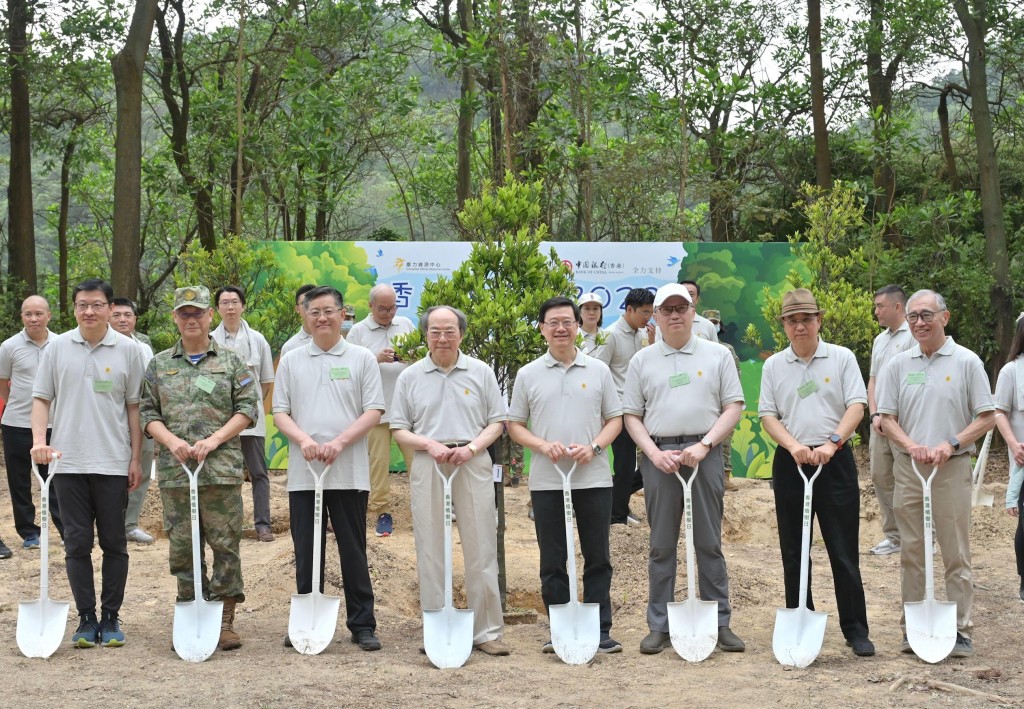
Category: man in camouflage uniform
<point>197,398</point>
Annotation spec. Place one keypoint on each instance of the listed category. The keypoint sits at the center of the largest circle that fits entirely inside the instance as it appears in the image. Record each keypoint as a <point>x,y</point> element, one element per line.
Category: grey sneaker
<point>139,536</point>
<point>655,642</point>
<point>885,547</point>
<point>905,646</point>
<point>728,641</point>
<point>962,647</point>
<point>548,647</point>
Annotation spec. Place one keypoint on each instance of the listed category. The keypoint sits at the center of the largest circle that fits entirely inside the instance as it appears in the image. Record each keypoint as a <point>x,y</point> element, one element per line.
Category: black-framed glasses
<point>682,308</point>
<point>925,316</point>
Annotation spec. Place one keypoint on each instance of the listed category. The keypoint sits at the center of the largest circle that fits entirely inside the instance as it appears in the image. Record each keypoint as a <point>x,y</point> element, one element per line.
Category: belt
<point>675,440</point>
<point>456,444</point>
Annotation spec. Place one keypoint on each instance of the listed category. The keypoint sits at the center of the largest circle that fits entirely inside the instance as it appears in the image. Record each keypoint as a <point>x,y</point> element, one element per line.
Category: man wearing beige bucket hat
<point>812,398</point>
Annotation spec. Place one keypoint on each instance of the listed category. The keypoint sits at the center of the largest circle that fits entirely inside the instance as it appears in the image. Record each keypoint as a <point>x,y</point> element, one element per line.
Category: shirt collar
<point>314,351</point>
<point>947,348</point>
<point>905,327</point>
<point>50,336</point>
<point>109,339</point>
<point>666,349</point>
<point>822,351</point>
<point>461,363</point>
<point>179,351</point>
<point>550,361</point>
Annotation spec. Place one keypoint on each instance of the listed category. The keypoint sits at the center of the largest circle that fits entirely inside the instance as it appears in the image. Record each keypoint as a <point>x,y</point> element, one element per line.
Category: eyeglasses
<point>556,324</point>
<point>95,307</point>
<point>326,312</point>
<point>670,309</point>
<point>448,334</point>
<point>799,322</point>
<point>190,314</point>
<point>925,316</point>
<point>226,303</point>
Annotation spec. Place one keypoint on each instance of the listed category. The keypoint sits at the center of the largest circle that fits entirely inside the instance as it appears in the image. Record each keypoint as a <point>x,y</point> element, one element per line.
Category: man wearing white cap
<point>682,398</point>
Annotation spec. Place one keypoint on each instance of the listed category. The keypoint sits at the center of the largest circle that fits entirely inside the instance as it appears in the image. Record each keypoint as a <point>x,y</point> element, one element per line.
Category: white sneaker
<point>886,546</point>
<point>138,536</point>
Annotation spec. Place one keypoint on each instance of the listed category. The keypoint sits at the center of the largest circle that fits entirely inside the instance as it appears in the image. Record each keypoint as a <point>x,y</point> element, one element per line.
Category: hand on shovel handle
<point>43,454</point>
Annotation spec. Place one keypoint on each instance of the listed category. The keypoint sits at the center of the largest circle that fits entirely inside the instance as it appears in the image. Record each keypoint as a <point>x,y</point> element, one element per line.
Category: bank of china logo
<point>567,263</point>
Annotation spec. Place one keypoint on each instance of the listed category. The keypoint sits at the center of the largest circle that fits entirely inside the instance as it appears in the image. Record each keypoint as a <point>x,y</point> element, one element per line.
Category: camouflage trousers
<point>727,454</point>
<point>220,527</point>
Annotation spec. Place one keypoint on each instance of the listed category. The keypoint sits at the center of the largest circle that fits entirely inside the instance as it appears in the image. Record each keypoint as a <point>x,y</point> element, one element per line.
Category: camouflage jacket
<point>194,401</point>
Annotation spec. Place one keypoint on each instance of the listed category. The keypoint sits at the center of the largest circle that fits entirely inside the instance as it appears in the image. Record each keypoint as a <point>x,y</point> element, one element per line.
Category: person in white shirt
<point>301,337</point>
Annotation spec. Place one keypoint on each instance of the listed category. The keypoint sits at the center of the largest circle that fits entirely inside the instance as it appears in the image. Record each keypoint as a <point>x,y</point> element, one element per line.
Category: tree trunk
<point>63,287</point>
<point>880,81</point>
<point>21,245</point>
<point>949,159</point>
<point>719,199</point>
<point>974,22</point>
<point>822,157</point>
<point>464,131</point>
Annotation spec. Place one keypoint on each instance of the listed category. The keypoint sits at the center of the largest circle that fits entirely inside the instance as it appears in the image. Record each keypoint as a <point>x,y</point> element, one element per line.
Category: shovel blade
<point>196,628</point>
<point>448,636</point>
<point>41,626</point>
<point>798,636</point>
<point>931,628</point>
<point>312,621</point>
<point>693,628</point>
<point>575,631</point>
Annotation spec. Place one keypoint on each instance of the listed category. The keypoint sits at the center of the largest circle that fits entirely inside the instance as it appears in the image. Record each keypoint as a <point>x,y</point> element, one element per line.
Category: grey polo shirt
<point>450,407</point>
<point>89,388</point>
<point>622,343</point>
<point>809,399</point>
<point>681,392</point>
<point>935,398</point>
<point>324,393</point>
<point>887,345</point>
<point>590,346</point>
<point>570,405</point>
<point>1010,395</point>
<point>19,360</point>
<point>374,337</point>
<point>296,341</point>
<point>252,347</point>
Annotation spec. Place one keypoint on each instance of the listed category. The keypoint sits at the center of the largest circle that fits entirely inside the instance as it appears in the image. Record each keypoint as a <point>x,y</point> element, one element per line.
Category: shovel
<point>692,624</point>
<point>575,626</point>
<point>978,496</point>
<point>314,616</point>
<point>41,623</point>
<point>800,631</point>
<point>448,631</point>
<point>931,624</point>
<point>196,622</point>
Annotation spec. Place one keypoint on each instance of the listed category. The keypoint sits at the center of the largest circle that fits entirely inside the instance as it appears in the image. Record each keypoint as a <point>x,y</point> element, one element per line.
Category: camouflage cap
<point>196,296</point>
<point>350,310</point>
<point>712,315</point>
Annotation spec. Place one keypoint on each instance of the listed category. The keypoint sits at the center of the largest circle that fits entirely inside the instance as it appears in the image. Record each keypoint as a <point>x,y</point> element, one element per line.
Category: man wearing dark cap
<point>812,398</point>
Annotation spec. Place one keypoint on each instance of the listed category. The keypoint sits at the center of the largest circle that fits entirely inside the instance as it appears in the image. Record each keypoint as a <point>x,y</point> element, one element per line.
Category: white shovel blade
<point>41,626</point>
<point>575,631</point>
<point>931,628</point>
<point>312,621</point>
<point>448,636</point>
<point>798,636</point>
<point>693,628</point>
<point>196,628</point>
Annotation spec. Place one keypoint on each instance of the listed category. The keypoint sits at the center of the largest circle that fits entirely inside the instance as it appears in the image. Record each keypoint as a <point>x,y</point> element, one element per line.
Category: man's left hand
<point>692,455</point>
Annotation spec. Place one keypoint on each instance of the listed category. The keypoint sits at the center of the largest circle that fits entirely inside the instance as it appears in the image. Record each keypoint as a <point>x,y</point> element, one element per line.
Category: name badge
<point>103,386</point>
<point>678,379</point>
<point>916,378</point>
<point>807,389</point>
<point>340,373</point>
<point>205,383</point>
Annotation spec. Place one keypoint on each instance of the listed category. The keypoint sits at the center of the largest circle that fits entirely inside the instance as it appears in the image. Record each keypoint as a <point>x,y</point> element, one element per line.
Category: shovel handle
<point>318,517</point>
<point>193,504</point>
<point>44,525</point>
<point>446,480</point>
<point>570,541</point>
<point>805,536</point>
<point>687,483</point>
<point>926,504</point>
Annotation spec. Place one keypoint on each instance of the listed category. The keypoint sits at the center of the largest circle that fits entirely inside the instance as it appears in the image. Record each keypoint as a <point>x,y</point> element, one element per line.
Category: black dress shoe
<point>862,647</point>
<point>366,640</point>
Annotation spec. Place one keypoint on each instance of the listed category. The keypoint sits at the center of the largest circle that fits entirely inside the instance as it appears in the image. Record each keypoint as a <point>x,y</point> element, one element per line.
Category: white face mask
<point>346,325</point>
<point>718,327</point>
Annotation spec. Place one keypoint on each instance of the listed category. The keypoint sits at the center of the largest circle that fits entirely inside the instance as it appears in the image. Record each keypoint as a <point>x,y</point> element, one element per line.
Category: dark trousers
<point>254,454</point>
<point>627,478</point>
<point>100,500</point>
<point>593,514</point>
<point>1018,539</point>
<point>348,517</point>
<point>17,444</point>
<point>836,504</point>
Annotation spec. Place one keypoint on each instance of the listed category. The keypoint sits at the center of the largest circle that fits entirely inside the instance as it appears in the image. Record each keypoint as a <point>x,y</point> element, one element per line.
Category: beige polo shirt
<point>1010,395</point>
<point>324,393</point>
<point>299,339</point>
<point>19,361</point>
<point>809,399</point>
<point>887,345</point>
<point>374,337</point>
<point>621,344</point>
<point>590,346</point>
<point>450,407</point>
<point>681,392</point>
<point>935,398</point>
<point>90,388</point>
<point>569,405</point>
<point>252,347</point>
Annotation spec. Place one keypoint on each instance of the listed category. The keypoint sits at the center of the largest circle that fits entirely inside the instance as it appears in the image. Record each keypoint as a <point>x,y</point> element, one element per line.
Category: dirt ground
<point>147,672</point>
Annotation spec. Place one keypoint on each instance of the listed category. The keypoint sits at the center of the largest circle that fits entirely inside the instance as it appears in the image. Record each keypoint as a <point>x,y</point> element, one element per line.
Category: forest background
<point>154,140</point>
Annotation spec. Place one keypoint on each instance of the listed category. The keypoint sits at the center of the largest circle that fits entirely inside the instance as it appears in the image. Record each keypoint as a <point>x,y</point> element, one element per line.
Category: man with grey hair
<point>890,309</point>
<point>447,409</point>
<point>935,403</point>
<point>377,333</point>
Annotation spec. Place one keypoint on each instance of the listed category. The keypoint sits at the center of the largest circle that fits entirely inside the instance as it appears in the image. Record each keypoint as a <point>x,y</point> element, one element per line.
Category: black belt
<point>456,444</point>
<point>675,440</point>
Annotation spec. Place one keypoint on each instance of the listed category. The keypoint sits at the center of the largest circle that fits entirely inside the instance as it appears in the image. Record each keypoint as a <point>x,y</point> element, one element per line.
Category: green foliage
<point>343,266</point>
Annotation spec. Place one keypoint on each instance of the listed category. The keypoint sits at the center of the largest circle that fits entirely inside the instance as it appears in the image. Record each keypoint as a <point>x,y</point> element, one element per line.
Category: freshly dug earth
<point>147,673</point>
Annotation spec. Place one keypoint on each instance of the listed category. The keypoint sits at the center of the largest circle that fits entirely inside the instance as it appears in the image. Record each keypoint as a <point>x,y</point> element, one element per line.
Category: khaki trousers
<point>884,480</point>
<point>951,515</point>
<point>379,443</point>
<point>473,498</point>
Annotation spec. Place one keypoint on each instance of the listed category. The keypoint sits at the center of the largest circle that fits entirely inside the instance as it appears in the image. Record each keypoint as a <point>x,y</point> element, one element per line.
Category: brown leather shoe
<point>493,647</point>
<point>229,639</point>
<point>265,535</point>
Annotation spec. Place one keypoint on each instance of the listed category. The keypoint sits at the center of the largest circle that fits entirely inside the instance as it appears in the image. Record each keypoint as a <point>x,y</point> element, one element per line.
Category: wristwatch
<point>596,448</point>
<point>472,449</point>
<point>874,416</point>
<point>955,442</point>
<point>836,440</point>
<point>706,441</point>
